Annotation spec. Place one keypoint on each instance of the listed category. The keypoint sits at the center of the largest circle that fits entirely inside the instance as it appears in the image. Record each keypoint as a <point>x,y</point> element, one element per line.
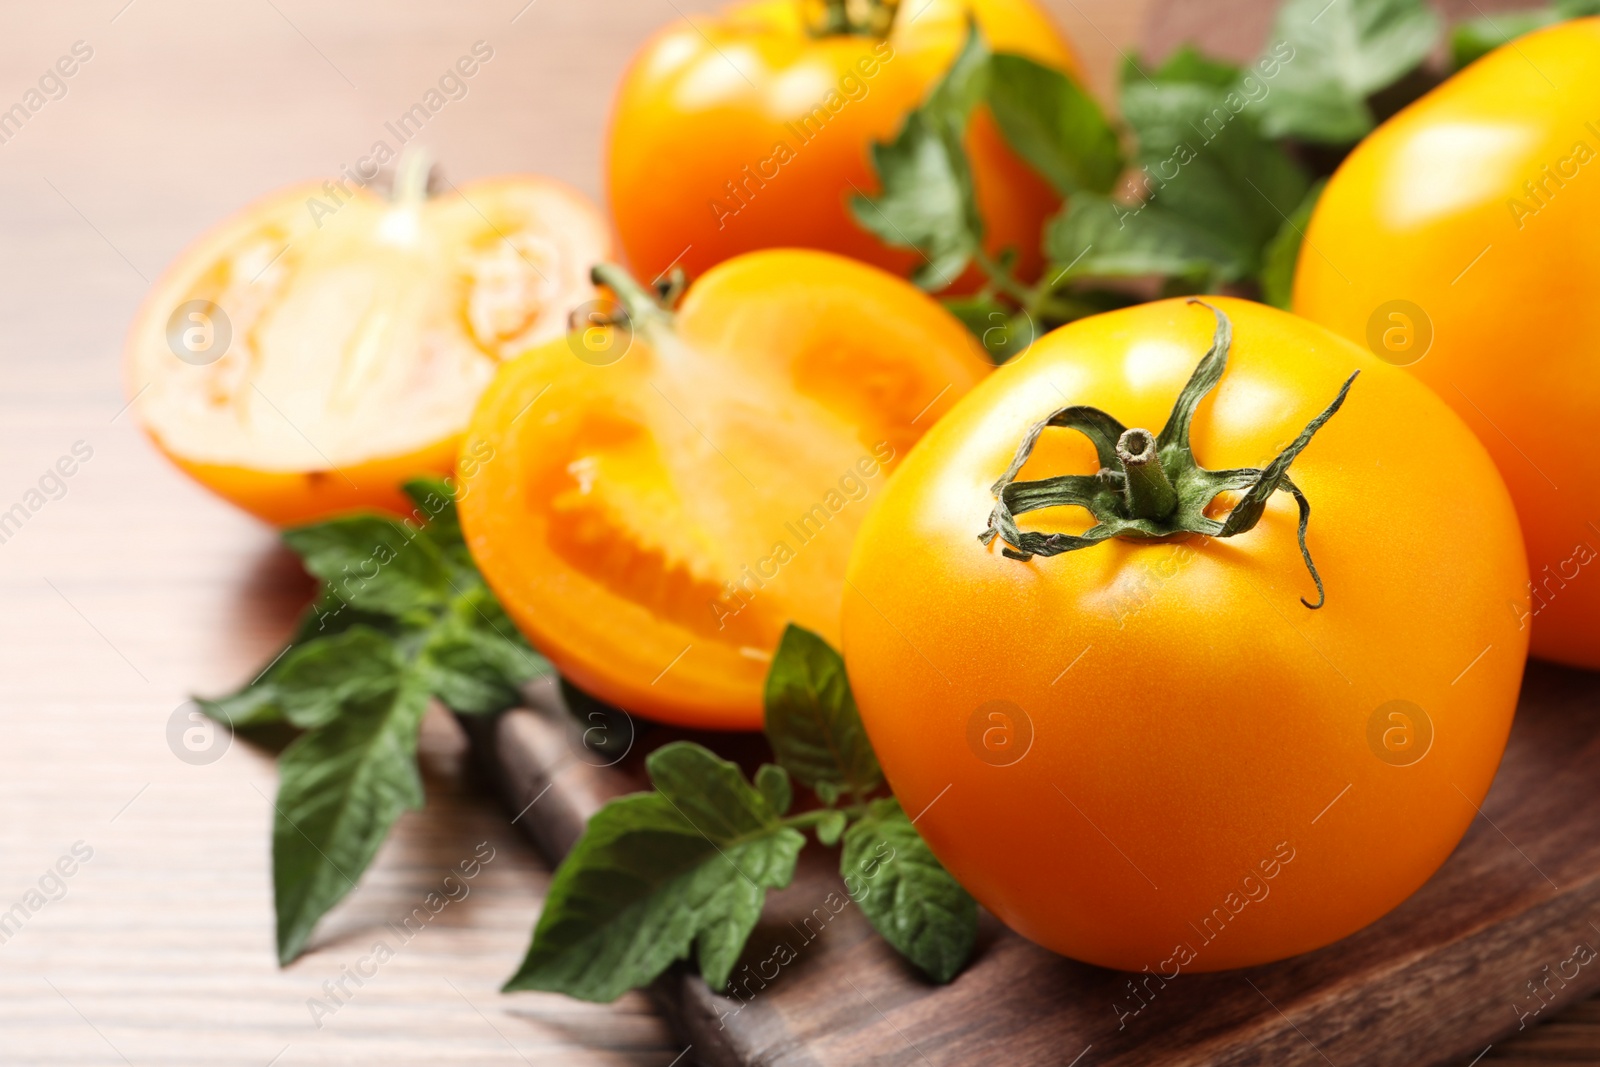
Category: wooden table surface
<point>130,588</point>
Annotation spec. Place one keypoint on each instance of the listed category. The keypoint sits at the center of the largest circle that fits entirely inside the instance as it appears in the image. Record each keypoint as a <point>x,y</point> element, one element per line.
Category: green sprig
<point>684,870</point>
<point>402,616</point>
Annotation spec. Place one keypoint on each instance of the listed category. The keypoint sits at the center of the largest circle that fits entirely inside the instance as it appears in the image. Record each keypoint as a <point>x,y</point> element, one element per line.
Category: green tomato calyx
<point>1150,487</point>
<point>850,18</point>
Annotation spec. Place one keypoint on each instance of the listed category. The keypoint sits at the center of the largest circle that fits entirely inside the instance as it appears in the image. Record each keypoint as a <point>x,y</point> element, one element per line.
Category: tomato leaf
<point>402,615</point>
<point>656,875</point>
<point>1283,251</point>
<point>1053,124</point>
<point>1476,38</point>
<point>441,524</point>
<point>926,200</point>
<point>474,659</point>
<point>812,721</point>
<point>374,563</point>
<point>906,893</point>
<point>1003,332</point>
<point>318,679</point>
<point>1343,52</point>
<point>341,786</point>
<point>773,782</point>
<point>1213,190</point>
<point>831,827</point>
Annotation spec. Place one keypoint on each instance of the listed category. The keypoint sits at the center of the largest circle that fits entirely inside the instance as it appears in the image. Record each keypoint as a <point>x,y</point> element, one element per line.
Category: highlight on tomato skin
<point>318,348</point>
<point>1112,741</point>
<point>705,162</point>
<point>653,505</point>
<point>1456,241</point>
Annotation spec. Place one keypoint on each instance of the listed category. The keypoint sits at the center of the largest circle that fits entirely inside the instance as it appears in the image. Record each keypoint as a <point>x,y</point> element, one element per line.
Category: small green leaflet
<point>1338,55</point>
<point>340,787</point>
<point>656,874</point>
<point>1003,332</point>
<point>402,616</point>
<point>927,201</point>
<point>1053,124</point>
<point>812,722</point>
<point>1283,252</point>
<point>908,896</point>
<point>684,870</point>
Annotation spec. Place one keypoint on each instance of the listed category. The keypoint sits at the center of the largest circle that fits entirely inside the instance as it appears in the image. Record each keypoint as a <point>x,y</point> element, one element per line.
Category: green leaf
<point>906,893</point>
<point>1004,333</point>
<point>658,874</point>
<point>1476,38</point>
<point>831,827</point>
<point>1334,56</point>
<point>1053,124</point>
<point>1099,237</point>
<point>375,563</point>
<point>474,659</point>
<point>1213,190</point>
<point>250,708</point>
<point>316,680</point>
<point>257,704</point>
<point>812,721</point>
<point>1187,64</point>
<point>926,200</point>
<point>341,786</point>
<point>402,614</point>
<point>441,523</point>
<point>773,783</point>
<point>1283,252</point>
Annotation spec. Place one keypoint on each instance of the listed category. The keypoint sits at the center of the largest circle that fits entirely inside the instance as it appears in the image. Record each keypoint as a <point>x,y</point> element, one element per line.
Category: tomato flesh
<point>654,522</point>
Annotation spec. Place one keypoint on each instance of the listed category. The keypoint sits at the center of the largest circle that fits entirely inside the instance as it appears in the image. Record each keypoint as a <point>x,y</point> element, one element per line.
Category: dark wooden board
<point>1439,980</point>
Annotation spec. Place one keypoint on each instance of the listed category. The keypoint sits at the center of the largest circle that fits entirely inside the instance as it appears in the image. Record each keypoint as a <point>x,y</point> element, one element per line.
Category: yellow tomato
<point>1459,241</point>
<point>749,130</point>
<point>1151,754</point>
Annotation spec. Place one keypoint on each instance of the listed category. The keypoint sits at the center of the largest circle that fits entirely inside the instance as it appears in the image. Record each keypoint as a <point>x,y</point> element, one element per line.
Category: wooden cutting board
<point>1439,980</point>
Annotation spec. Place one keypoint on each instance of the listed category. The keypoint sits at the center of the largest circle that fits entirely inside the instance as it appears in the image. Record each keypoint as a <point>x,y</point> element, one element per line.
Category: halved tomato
<point>324,344</point>
<point>654,503</point>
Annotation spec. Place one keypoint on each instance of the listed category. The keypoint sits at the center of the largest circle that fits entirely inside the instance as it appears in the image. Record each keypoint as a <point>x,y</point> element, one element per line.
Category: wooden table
<point>134,588</point>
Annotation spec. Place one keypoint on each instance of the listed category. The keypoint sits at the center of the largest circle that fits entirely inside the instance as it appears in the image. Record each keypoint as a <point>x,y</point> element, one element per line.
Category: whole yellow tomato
<point>1144,750</point>
<point>1459,241</point>
<point>751,130</point>
<point>654,504</point>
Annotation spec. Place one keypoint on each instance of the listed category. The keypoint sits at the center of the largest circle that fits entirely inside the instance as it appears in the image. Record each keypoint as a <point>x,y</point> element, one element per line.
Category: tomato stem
<point>811,818</point>
<point>1150,487</point>
<point>1146,487</point>
<point>639,305</point>
<point>411,176</point>
<point>850,18</point>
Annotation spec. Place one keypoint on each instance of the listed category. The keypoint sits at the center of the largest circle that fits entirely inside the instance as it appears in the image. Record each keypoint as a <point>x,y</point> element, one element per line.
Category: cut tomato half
<point>653,503</point>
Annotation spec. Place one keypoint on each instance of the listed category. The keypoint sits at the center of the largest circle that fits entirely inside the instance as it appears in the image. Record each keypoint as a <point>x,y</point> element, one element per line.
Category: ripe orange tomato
<point>1149,753</point>
<point>1458,240</point>
<point>653,507</point>
<point>325,344</point>
<point>747,131</point>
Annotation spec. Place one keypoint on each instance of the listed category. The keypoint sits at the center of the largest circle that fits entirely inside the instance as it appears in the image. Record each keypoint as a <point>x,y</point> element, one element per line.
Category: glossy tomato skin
<point>1478,207</point>
<point>743,132</point>
<point>1176,732</point>
<point>653,522</point>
